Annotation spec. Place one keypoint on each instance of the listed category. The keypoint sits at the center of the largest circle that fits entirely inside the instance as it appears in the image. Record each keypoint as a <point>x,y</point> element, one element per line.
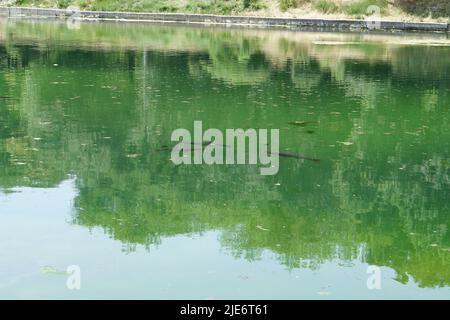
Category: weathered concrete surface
<point>18,12</point>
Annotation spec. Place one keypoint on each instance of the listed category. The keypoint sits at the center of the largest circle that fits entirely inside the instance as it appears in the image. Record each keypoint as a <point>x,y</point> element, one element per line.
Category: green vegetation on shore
<point>351,8</point>
<point>422,8</point>
<point>195,6</point>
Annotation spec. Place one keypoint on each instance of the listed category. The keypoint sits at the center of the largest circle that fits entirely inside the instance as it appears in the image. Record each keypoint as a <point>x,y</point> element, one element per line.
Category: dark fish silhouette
<point>283,154</point>
<point>167,148</point>
<point>163,148</point>
<point>207,143</point>
<point>204,143</point>
<point>294,156</point>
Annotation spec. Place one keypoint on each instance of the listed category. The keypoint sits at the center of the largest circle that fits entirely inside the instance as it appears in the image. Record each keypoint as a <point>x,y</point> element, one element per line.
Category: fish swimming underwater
<point>283,154</point>
<point>163,148</point>
<point>294,156</point>
<point>203,144</point>
<point>207,143</point>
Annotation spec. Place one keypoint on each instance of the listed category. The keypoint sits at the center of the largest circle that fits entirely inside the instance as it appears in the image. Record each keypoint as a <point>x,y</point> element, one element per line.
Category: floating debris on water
<point>51,270</point>
<point>300,123</point>
<point>134,155</point>
<point>345,143</point>
<point>261,228</point>
<point>324,292</point>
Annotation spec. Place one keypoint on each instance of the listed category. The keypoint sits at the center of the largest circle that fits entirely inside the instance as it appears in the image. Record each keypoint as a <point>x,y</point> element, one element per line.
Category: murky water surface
<point>86,117</point>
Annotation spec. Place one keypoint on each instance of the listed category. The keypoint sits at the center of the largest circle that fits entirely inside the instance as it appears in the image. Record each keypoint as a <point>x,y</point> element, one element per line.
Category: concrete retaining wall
<point>15,12</point>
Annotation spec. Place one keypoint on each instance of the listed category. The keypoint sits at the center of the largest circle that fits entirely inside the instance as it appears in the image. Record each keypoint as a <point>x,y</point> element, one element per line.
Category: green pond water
<point>86,180</point>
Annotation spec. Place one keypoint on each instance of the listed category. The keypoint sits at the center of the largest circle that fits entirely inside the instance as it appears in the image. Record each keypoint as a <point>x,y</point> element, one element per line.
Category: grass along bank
<point>400,10</point>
